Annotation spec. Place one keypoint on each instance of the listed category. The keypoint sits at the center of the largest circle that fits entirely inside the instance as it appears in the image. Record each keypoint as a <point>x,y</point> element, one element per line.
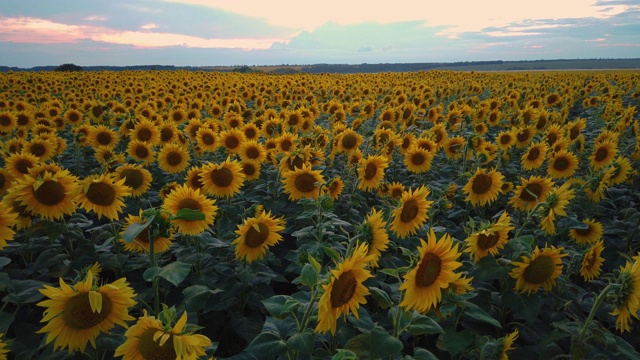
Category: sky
<point>275,32</point>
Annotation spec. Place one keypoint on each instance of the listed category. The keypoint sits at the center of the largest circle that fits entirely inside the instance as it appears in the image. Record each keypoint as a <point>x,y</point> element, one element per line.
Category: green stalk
<point>595,307</point>
<point>155,283</point>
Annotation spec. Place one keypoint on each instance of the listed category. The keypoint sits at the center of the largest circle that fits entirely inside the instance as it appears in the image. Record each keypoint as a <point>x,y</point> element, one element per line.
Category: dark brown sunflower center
<point>481,184</point>
<point>254,238</point>
<point>584,232</point>
<point>552,138</point>
<point>231,142</point>
<point>50,193</point>
<point>487,241</point>
<point>252,153</point>
<point>409,211</point>
<point>344,287</point>
<point>523,135</point>
<point>77,313</point>
<point>534,153</point>
<point>417,159</point>
<point>505,139</point>
<point>222,177</point>
<point>208,139</point>
<point>286,144</point>
<point>144,134</point>
<point>101,194</point>
<point>305,183</point>
<point>591,260</point>
<point>529,191</point>
<point>142,152</point>
<point>38,149</point>
<point>104,138</point>
<point>5,120</point>
<point>73,117</point>
<point>561,163</point>
<point>3,180</point>
<point>189,203</point>
<point>370,171</point>
<point>23,165</point>
<point>174,158</point>
<point>349,141</point>
<point>166,134</point>
<point>151,350</point>
<point>574,132</point>
<point>428,270</point>
<point>539,270</point>
<point>396,193</point>
<point>132,178</point>
<point>601,154</point>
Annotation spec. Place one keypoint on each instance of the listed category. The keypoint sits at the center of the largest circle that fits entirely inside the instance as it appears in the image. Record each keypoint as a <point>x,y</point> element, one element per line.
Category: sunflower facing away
<point>103,195</point>
<point>412,212</point>
<point>371,172</point>
<point>627,297</point>
<point>345,291</point>
<point>77,315</point>
<point>374,233</point>
<point>507,344</point>
<point>483,187</point>
<point>141,242</point>
<point>490,239</point>
<point>590,235</point>
<point>434,272</point>
<point>184,197</point>
<point>222,180</point>
<point>256,234</point>
<point>302,183</point>
<point>592,261</point>
<point>541,269</point>
<point>151,338</point>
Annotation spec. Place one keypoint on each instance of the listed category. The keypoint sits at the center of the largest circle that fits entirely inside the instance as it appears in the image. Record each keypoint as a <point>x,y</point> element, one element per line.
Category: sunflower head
<point>541,269</point>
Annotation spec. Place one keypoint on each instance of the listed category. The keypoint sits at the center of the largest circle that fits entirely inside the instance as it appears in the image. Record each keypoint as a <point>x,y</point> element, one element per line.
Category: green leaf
<point>343,354</point>
<point>423,354</point>
<point>188,214</point>
<point>197,296</point>
<point>626,349</point>
<point>474,313</point>
<point>174,272</point>
<point>24,291</point>
<point>376,344</point>
<point>316,265</point>
<point>381,297</point>
<point>457,341</point>
<point>487,269</point>
<point>332,253</point>
<point>521,243</point>
<point>267,345</point>
<point>421,324</point>
<point>275,305</point>
<point>4,261</point>
<point>302,342</point>
<point>134,229</point>
<point>309,275</point>
<point>390,272</point>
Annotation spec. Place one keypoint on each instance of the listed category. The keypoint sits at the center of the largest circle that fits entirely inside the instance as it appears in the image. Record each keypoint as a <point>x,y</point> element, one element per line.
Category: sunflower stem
<point>307,313</point>
<point>595,307</point>
<point>526,220</point>
<point>156,283</point>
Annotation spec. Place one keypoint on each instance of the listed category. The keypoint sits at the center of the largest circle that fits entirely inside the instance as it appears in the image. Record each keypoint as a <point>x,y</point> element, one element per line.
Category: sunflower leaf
<point>174,272</point>
<point>134,229</point>
<point>188,214</point>
<point>474,313</point>
<point>309,275</point>
<point>421,324</point>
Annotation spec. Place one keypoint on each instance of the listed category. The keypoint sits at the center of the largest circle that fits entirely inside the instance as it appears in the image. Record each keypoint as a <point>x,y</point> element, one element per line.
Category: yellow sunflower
<point>418,159</point>
<point>102,194</point>
<point>3,351</point>
<point>345,291</point>
<point>18,165</point>
<point>256,234</point>
<point>207,139</point>
<point>50,195</point>
<point>150,338</point>
<point>395,190</point>
<point>505,140</point>
<point>141,151</point>
<point>103,136</point>
<point>434,272</point>
<point>562,164</point>
<point>5,181</point>
<point>412,212</point>
<point>531,192</point>
<point>483,187</point>
<point>554,206</point>
<point>173,158</point>
<point>371,172</point>
<point>348,141</point>
<point>622,169</point>
<point>77,315</point>
<point>253,150</point>
<point>222,180</point>
<point>40,147</point>
<point>592,261</point>
<point>507,344</point>
<point>524,135</point>
<point>145,131</point>
<point>490,239</point>
<point>590,235</point>
<point>535,155</point>
<point>232,140</point>
<point>136,177</point>
<point>335,187</point>
<point>374,233</point>
<point>141,242</point>
<point>184,197</point>
<point>8,122</point>
<point>8,219</point>
<point>627,297</point>
<point>541,269</point>
<point>250,169</point>
<point>454,147</point>
<point>603,154</point>
<point>302,183</point>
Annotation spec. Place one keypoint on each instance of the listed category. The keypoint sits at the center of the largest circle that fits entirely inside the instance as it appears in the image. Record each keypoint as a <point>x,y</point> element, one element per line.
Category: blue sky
<point>252,32</point>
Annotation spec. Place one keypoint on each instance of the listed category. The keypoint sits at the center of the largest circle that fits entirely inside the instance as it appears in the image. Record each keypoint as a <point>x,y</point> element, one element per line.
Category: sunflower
<point>530,192</point>
<point>554,206</point>
<point>335,187</point>
<point>102,194</point>
<point>141,151</point>
<point>103,136</point>
<point>535,155</point>
<point>177,116</point>
<point>348,141</point>
<point>454,147</point>
<point>136,177</point>
<point>232,140</point>
<point>184,197</point>
<point>256,234</point>
<point>302,183</point>
<point>50,195</point>
<point>207,139</point>
<point>505,140</point>
<point>345,291</point>
<point>145,131</point>
<point>222,180</point>
<point>77,315</point>
<point>8,122</point>
<point>395,190</point>
<point>412,212</point>
<point>287,142</point>
<point>575,127</point>
<point>592,261</point>
<point>18,165</point>
<point>541,269</point>
<point>590,235</point>
<point>603,154</point>
<point>5,181</point>
<point>371,172</point>
<point>72,117</point>
<point>434,272</point>
<point>173,158</point>
<point>3,351</point>
<point>250,169</point>
<point>562,164</point>
<point>168,132</point>
<point>483,187</point>
<point>627,297</point>
<point>8,218</point>
<point>150,338</point>
<point>506,344</point>
<point>622,169</point>
<point>141,242</point>
<point>374,234</point>
<point>418,160</point>
<point>490,239</point>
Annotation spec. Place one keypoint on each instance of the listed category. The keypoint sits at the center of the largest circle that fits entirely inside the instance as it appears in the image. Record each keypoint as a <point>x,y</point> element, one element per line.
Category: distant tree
<point>68,67</point>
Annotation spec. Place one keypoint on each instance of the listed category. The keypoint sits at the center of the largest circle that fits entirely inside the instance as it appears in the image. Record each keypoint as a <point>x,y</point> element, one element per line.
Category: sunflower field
<point>425,215</point>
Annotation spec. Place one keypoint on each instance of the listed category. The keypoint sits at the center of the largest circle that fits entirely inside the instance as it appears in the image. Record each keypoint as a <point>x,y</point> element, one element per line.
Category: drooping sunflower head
<point>626,299</point>
<point>374,234</point>
<point>335,187</point>
<point>592,261</point>
<point>506,344</point>
<point>541,269</point>
<point>142,241</point>
<point>490,239</point>
<point>454,147</point>
<point>412,212</point>
<point>371,172</point>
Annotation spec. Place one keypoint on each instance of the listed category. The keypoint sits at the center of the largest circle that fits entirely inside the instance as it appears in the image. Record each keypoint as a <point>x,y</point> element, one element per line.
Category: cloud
<point>365,49</point>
